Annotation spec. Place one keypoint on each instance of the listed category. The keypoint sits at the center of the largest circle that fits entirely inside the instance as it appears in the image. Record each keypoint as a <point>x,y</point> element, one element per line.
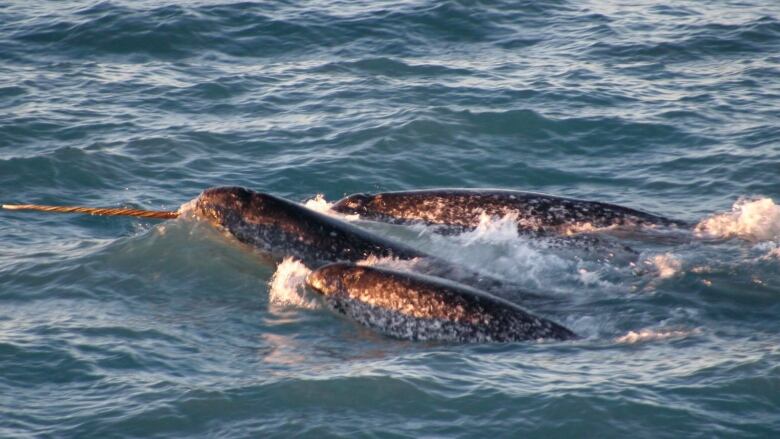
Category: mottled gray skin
<point>461,208</point>
<point>416,307</point>
<point>281,228</point>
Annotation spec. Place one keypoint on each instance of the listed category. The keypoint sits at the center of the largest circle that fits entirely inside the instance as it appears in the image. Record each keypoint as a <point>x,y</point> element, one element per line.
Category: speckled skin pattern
<point>462,208</point>
<point>416,307</point>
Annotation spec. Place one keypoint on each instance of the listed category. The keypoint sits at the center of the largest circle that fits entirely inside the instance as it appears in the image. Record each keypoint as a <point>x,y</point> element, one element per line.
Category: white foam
<point>494,229</point>
<point>318,203</point>
<point>496,247</point>
<point>287,286</point>
<point>645,335</point>
<point>667,265</point>
<point>321,205</point>
<point>751,219</point>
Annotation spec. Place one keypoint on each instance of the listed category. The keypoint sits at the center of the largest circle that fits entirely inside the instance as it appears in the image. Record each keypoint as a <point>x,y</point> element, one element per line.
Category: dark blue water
<point>117,327</point>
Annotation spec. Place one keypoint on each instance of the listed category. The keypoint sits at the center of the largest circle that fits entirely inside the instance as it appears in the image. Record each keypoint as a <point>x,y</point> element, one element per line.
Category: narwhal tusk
<point>160,214</point>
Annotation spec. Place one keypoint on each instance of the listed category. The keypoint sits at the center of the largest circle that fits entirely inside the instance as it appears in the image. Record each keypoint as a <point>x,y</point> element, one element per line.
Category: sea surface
<point>121,327</point>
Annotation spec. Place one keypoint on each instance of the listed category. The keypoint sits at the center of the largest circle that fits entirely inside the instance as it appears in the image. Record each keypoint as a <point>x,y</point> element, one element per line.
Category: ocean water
<point>120,327</point>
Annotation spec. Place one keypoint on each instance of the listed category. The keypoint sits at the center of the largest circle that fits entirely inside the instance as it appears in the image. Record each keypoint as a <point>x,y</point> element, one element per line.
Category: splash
<point>492,230</point>
<point>318,203</point>
<point>497,240</point>
<point>321,205</point>
<point>654,335</point>
<point>287,286</point>
<point>751,219</point>
<point>497,248</point>
<point>667,265</point>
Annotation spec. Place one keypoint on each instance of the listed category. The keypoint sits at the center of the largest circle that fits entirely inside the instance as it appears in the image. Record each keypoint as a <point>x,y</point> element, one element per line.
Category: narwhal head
<point>328,280</point>
<point>224,205</point>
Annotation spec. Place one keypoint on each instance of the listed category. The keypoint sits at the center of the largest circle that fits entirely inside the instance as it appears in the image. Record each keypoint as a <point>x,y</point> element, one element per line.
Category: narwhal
<point>417,307</point>
<point>463,209</point>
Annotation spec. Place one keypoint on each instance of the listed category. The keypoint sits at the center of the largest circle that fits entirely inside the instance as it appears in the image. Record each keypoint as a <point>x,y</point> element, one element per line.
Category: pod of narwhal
<point>281,228</point>
<point>444,301</point>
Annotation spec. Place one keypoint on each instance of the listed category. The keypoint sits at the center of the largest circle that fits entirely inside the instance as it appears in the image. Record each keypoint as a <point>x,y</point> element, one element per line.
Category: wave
<point>699,41</point>
<point>391,67</point>
<point>250,29</point>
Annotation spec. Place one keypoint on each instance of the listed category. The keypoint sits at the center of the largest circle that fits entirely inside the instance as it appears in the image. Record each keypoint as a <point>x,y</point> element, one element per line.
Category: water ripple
<point>141,328</point>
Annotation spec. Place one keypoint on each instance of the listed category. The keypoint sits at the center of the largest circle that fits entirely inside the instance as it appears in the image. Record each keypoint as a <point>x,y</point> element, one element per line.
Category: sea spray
<point>321,205</point>
<point>287,286</point>
<point>750,219</point>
